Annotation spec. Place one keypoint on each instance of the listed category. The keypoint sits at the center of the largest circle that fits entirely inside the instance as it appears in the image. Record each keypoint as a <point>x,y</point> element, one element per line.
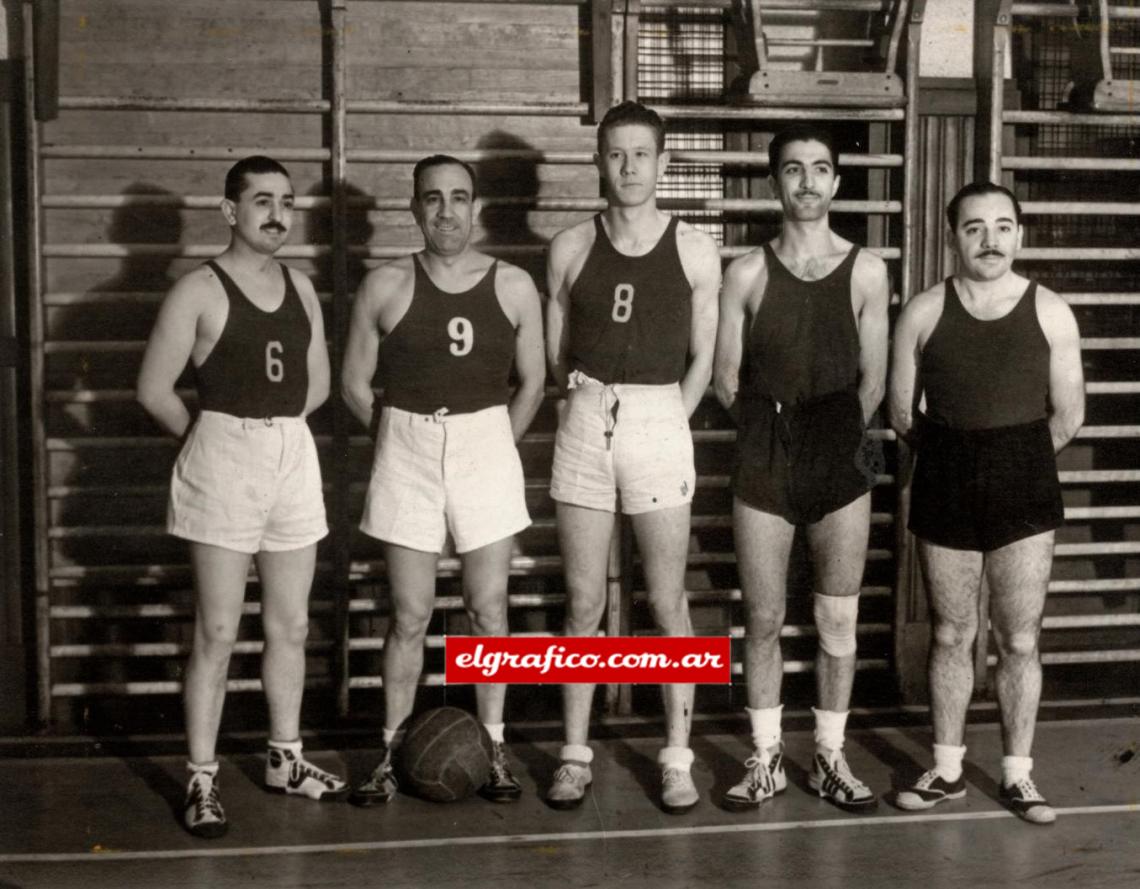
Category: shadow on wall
<point>150,216</point>
<point>509,187</point>
<point>318,231</point>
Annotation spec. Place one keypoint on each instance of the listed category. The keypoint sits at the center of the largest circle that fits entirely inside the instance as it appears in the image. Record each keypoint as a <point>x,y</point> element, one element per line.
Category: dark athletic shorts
<point>806,460</point>
<point>983,489</point>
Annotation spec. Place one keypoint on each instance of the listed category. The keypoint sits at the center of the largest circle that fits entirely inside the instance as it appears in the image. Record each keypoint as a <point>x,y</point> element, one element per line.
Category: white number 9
<point>274,366</point>
<point>623,303</point>
<point>462,335</point>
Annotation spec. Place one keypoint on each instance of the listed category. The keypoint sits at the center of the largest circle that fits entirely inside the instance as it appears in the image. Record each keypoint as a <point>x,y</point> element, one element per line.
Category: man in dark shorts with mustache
<point>986,386</point>
<point>801,362</point>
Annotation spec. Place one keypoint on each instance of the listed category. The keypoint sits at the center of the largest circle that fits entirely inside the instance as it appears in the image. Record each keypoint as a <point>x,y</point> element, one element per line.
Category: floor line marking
<point>503,839</point>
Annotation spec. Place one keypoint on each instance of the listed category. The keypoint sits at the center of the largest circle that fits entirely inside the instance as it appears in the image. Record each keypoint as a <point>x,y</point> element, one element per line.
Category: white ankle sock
<point>576,753</point>
<point>495,730</point>
<point>1015,768</point>
<point>676,758</point>
<point>829,728</point>
<point>765,726</point>
<point>392,737</point>
<point>948,761</point>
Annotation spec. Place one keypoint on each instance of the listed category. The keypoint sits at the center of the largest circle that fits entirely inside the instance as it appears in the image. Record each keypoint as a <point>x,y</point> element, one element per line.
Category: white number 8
<point>274,366</point>
<point>623,303</point>
<point>462,334</point>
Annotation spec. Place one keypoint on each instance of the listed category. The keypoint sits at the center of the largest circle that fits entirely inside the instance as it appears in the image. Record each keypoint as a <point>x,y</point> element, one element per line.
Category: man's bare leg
<point>584,538</point>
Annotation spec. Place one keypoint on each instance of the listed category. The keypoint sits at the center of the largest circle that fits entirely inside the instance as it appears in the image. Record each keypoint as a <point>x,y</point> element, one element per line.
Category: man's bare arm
<point>1066,376</point>
<point>530,363</point>
<point>563,250</point>
<point>360,352</point>
<point>167,353</point>
<point>701,261</point>
<point>873,288</point>
<point>317,357</point>
<point>906,360</point>
<point>732,326</point>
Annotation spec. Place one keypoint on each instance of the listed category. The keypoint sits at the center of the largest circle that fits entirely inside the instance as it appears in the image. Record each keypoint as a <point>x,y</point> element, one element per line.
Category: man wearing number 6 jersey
<point>631,325</point>
<point>246,483</point>
<point>444,327</point>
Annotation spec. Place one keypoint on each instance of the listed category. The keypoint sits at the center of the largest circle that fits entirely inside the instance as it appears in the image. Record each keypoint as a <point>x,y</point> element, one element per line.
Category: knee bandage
<point>835,620</point>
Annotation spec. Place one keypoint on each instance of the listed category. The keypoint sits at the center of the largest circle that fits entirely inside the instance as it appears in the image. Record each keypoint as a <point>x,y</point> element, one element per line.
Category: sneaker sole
<point>208,831</point>
<point>679,810</point>
<point>501,796</point>
<point>1025,816</point>
<point>329,796</point>
<point>367,802</point>
<point>857,808</point>
<point>740,805</point>
<point>563,805</point>
<point>921,805</point>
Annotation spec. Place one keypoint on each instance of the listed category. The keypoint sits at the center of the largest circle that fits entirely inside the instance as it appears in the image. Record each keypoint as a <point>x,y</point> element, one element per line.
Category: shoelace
<point>927,780</point>
<point>759,774</point>
<point>380,775</point>
<point>1028,791</point>
<point>206,803</point>
<point>499,771</point>
<point>673,777</point>
<point>568,773</point>
<point>843,773</point>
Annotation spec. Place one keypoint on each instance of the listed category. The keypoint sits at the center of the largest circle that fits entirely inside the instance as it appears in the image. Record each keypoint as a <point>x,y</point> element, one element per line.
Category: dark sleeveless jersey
<point>803,342</point>
<point>630,316</point>
<point>986,374</point>
<point>449,350</point>
<point>259,366</point>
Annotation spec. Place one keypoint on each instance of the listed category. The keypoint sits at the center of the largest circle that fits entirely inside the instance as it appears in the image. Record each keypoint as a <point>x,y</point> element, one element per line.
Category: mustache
<point>996,253</point>
<point>807,191</point>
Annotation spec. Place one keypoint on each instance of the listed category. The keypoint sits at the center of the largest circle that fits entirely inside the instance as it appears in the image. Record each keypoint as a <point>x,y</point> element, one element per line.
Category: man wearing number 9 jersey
<point>444,327</point>
<point>246,483</point>
<point>631,325</point>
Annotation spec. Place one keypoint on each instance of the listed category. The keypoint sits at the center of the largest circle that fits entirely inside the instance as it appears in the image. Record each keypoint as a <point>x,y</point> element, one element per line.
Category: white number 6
<point>623,303</point>
<point>274,366</point>
<point>462,335</point>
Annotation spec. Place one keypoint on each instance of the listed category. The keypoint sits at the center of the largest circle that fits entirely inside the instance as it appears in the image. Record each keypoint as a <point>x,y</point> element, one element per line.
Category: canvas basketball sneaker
<point>203,815</point>
<point>381,785</point>
<point>501,786</point>
<point>832,778</point>
<point>287,771</point>
<point>764,777</point>
<point>930,790</point>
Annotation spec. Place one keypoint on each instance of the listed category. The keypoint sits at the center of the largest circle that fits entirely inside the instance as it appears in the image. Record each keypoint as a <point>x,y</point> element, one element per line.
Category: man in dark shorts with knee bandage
<point>445,326</point>
<point>631,325</point>
<point>247,483</point>
<point>986,386</point>
<point>801,364</point>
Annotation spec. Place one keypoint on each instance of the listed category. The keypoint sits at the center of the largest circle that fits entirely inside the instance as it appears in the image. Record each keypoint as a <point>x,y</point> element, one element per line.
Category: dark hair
<point>805,132</point>
<point>440,160</point>
<point>253,165</point>
<point>975,189</point>
<point>630,113</point>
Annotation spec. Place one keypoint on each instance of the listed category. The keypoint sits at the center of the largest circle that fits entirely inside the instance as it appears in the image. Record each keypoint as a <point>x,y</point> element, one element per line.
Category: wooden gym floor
<point>110,822</point>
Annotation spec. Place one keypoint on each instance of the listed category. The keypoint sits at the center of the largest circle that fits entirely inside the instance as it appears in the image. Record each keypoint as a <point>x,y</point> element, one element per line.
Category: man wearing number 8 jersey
<point>246,483</point>
<point>631,325</point>
<point>444,327</point>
